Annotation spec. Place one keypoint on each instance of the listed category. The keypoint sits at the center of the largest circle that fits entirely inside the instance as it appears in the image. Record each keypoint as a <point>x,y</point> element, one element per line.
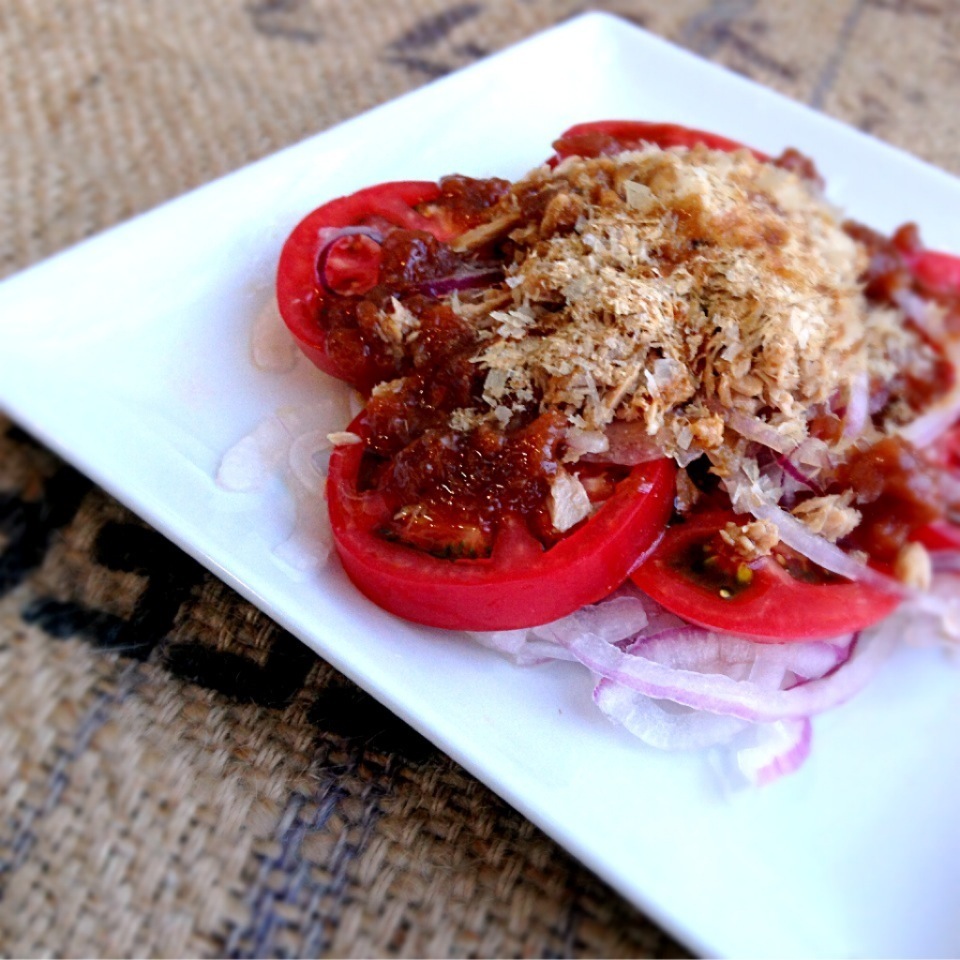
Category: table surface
<point>180,776</point>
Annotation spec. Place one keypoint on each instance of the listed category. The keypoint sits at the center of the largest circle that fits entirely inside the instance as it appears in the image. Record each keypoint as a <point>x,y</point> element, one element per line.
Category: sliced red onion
<point>467,279</point>
<point>355,403</point>
<point>521,647</point>
<point>942,414</point>
<point>858,406</point>
<point>311,540</point>
<point>328,238</point>
<point>781,748</point>
<point>628,444</point>
<point>704,651</point>
<point>927,315</point>
<point>285,446</point>
<point>932,617</point>
<point>271,346</point>
<point>949,482</point>
<point>757,430</point>
<point>801,538</point>
<point>620,617</point>
<point>934,423</point>
<point>794,471</point>
<point>945,561</point>
<point>680,687</point>
<point>305,461</point>
<point>661,723</point>
<point>718,693</point>
<point>253,459</point>
<point>617,618</point>
<point>813,453</point>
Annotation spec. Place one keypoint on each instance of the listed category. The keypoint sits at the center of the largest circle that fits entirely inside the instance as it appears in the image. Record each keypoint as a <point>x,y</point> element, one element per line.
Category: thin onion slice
<point>628,444</point>
<point>941,415</point>
<point>760,752</point>
<point>718,693</point>
<point>927,314</point>
<point>858,406</point>
<point>661,723</point>
<point>289,446</point>
<point>695,648</point>
<point>757,430</point>
<point>271,346</point>
<point>467,279</point>
<point>308,546</point>
<point>946,561</point>
<point>618,618</point>
<point>801,538</point>
<point>789,467</point>
<point>781,748</point>
<point>521,647</point>
<point>329,237</point>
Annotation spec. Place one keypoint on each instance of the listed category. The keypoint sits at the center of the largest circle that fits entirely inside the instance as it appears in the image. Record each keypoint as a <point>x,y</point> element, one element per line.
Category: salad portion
<point>656,407</point>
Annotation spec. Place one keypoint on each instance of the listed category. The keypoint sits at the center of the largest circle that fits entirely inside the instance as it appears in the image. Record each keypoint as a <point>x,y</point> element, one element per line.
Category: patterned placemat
<point>180,776</point>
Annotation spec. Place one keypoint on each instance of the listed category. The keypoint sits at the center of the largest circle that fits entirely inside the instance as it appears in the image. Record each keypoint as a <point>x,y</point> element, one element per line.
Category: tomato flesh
<point>769,604</point>
<point>522,583</point>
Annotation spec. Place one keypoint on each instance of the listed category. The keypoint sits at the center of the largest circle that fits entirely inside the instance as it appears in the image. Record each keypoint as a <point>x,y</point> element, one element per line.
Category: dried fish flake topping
<point>662,285</point>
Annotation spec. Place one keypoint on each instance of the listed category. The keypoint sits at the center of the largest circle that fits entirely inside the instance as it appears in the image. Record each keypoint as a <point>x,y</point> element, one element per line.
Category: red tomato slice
<point>774,607</point>
<point>521,584</point>
<point>301,289</point>
<point>938,272</point>
<point>942,535</point>
<point>938,537</point>
<point>602,137</point>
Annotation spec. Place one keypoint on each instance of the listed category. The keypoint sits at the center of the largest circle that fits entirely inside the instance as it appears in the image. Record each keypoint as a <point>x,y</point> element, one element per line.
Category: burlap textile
<point>179,777</point>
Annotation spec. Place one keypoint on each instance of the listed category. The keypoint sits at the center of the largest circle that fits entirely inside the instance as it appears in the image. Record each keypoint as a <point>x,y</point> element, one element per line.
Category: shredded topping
<point>686,276</point>
<point>751,540</point>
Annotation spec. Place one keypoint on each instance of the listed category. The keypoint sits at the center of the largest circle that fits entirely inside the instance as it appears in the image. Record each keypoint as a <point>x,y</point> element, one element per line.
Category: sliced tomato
<point>521,583</point>
<point>942,534</point>
<point>761,600</point>
<point>936,272</point>
<point>938,537</point>
<point>330,252</point>
<point>603,137</point>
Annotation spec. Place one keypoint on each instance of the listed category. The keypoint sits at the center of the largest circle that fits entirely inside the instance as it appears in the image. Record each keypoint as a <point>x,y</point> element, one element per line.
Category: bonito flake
<point>677,288</point>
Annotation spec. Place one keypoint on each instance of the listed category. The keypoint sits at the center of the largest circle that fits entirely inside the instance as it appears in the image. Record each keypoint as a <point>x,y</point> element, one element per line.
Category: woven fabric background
<point>179,776</point>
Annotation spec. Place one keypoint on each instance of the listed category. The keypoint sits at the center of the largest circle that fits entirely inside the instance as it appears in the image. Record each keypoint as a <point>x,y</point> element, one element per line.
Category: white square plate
<point>130,355</point>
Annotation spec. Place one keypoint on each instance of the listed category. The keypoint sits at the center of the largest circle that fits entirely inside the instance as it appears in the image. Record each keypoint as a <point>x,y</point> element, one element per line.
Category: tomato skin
<point>300,292</point>
<point>774,608</point>
<point>521,584</point>
<point>601,137</point>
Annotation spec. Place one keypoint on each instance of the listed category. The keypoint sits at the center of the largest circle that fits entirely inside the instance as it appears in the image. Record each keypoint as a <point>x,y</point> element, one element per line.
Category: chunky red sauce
<point>455,488</point>
<point>887,278</point>
<point>890,273</point>
<point>897,492</point>
<point>448,490</point>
